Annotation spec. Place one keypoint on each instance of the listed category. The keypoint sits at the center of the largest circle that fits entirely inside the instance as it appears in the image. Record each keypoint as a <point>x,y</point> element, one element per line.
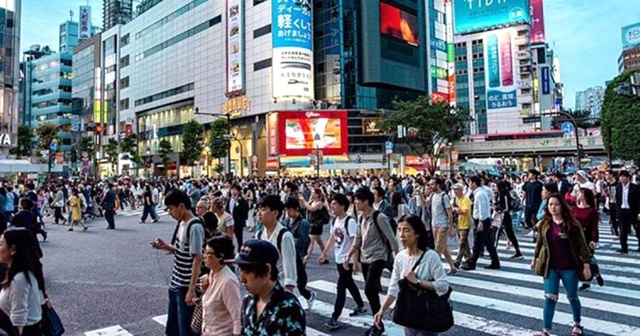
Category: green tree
<point>192,136</point>
<point>429,125</point>
<point>621,118</point>
<point>46,133</point>
<point>164,150</point>
<point>582,118</point>
<point>86,144</point>
<point>113,149</point>
<point>219,147</point>
<point>129,147</point>
<point>25,144</point>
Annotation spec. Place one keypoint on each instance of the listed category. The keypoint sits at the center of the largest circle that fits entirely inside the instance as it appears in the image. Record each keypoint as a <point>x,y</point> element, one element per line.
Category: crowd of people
<point>404,224</point>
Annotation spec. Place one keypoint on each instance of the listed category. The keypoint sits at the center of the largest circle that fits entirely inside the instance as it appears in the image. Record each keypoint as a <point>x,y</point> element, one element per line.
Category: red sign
<point>537,21</point>
<point>128,129</point>
<point>415,161</point>
<point>506,58</point>
<point>452,88</point>
<point>439,96</point>
<point>301,132</point>
<point>273,163</point>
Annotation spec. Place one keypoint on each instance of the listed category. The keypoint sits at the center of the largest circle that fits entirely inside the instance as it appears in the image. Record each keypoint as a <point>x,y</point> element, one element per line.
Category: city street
<point>106,283</point>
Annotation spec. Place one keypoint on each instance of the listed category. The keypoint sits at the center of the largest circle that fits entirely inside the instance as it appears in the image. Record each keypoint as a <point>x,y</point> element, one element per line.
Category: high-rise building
<point>590,100</point>
<point>494,64</point>
<point>68,36</point>
<point>10,21</point>
<point>629,59</point>
<point>116,12</point>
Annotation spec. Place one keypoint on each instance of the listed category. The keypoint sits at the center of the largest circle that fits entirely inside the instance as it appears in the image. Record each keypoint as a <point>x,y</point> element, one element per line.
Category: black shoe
<point>599,280</point>
<point>584,287</point>
<point>622,251</point>
<point>376,331</point>
<point>358,311</point>
<point>493,266</point>
<point>468,266</point>
<point>456,264</point>
<point>155,220</point>
<point>44,236</point>
<point>332,324</point>
<point>517,256</point>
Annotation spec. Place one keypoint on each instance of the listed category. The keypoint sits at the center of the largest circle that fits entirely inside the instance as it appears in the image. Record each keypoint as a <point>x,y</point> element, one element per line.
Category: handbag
<point>421,309</point>
<point>196,319</point>
<point>51,323</point>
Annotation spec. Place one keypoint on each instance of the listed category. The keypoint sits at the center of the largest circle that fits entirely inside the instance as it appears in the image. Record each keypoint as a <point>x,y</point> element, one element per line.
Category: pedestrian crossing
<point>504,302</point>
<point>138,212</point>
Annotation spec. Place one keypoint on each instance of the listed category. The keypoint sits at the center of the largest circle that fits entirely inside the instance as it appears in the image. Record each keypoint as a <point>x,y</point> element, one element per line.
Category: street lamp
<point>316,139</point>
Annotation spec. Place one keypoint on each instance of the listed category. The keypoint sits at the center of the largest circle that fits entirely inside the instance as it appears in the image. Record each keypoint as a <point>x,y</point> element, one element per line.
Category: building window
<point>257,2</point>
<point>124,82</point>
<point>262,65</point>
<point>124,61</point>
<point>124,104</point>
<point>124,40</point>
<point>165,94</point>
<point>179,12</point>
<point>262,31</point>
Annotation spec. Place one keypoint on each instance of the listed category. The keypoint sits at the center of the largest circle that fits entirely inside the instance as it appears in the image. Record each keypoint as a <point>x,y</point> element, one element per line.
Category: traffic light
<point>580,152</point>
<point>98,128</point>
<point>384,160</point>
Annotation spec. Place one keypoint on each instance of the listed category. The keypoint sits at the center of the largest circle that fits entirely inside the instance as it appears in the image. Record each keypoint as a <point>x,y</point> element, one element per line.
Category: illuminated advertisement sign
<point>235,47</point>
<point>631,36</point>
<point>302,132</point>
<point>478,15</point>
<point>537,21</point>
<point>546,80</point>
<point>398,24</point>
<point>501,88</point>
<point>85,22</point>
<point>272,134</point>
<point>292,55</point>
<point>371,126</point>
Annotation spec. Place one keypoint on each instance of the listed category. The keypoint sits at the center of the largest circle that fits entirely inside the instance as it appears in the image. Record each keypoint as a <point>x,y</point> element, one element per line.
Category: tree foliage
<point>621,115</point>
<point>429,125</point>
<point>112,150</point>
<point>46,133</point>
<point>25,144</point>
<point>581,117</point>
<point>86,144</point>
<point>192,136</point>
<point>164,150</point>
<point>129,147</point>
<point>219,147</point>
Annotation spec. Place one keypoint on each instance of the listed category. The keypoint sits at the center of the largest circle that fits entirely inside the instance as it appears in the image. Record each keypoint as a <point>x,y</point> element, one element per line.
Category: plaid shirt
<point>283,315</point>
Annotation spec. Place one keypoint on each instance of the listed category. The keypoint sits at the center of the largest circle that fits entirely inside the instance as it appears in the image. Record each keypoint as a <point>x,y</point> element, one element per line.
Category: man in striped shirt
<point>186,247</point>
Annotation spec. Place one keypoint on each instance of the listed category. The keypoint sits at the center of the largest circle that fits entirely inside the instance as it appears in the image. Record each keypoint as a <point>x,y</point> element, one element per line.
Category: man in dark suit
<point>109,205</point>
<point>628,203</point>
<point>563,185</point>
<point>239,210</point>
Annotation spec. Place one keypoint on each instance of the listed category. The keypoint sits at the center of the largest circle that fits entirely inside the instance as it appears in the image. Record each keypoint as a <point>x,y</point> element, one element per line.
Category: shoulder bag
<point>421,309</point>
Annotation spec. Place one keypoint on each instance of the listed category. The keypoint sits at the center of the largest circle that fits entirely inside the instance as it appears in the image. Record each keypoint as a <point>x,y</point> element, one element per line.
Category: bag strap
<point>375,222</point>
<point>418,262</point>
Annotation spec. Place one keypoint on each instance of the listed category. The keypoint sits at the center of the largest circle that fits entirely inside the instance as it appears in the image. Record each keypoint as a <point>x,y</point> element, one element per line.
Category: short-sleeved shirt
<point>282,316</point>
<point>440,202</point>
<point>187,247</point>
<point>343,234</point>
<point>224,222</point>
<point>464,221</point>
<point>534,194</point>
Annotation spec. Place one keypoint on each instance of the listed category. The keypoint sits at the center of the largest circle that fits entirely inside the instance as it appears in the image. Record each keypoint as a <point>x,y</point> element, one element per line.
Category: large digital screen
<point>302,132</point>
<point>399,24</point>
<point>474,16</point>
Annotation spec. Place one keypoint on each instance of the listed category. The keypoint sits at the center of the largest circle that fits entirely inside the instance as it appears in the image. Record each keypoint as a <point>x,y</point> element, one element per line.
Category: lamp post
<point>149,160</point>
<point>316,138</point>
<point>450,145</point>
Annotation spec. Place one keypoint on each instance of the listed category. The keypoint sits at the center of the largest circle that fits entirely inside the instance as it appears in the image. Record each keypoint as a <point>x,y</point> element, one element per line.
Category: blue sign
<point>53,146</point>
<point>497,99</point>
<point>388,145</point>
<point>478,15</point>
<point>546,81</point>
<point>631,36</point>
<point>567,127</point>
<point>292,23</point>
<point>493,61</point>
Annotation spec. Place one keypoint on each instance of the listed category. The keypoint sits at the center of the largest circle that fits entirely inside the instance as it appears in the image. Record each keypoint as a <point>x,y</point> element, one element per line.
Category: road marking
<point>116,330</point>
<point>162,319</point>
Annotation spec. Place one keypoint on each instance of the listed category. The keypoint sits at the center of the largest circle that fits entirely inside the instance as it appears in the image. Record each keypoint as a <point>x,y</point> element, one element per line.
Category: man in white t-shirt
<point>343,232</point>
<point>582,181</point>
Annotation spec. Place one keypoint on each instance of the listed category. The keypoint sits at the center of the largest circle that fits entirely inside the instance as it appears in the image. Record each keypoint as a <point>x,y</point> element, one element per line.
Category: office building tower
<point>10,21</point>
<point>116,12</point>
<point>590,100</point>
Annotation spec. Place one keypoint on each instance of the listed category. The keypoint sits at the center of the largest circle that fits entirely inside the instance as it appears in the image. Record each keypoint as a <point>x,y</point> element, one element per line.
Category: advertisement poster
<point>501,88</point>
<point>398,24</point>
<point>292,55</point>
<point>302,132</point>
<point>474,16</point>
<point>546,80</point>
<point>235,47</point>
<point>272,134</point>
<point>537,21</point>
<point>85,22</point>
<point>631,36</point>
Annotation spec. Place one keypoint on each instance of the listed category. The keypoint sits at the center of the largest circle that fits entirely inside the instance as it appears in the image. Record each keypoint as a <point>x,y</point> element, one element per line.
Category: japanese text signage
<point>478,15</point>
<point>85,22</point>
<point>501,88</point>
<point>292,58</point>
<point>537,21</point>
<point>272,134</point>
<point>235,46</point>
<point>631,36</point>
<point>546,80</point>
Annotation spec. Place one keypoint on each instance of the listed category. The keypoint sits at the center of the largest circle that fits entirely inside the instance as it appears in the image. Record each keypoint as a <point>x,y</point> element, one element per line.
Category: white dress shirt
<point>481,205</point>
<point>625,196</point>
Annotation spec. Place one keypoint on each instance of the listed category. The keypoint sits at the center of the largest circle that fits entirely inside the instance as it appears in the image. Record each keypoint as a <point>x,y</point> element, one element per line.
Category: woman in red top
<point>586,212</point>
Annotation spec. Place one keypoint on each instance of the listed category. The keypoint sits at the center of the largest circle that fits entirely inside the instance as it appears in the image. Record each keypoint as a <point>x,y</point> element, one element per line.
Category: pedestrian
<point>503,206</point>
<point>318,217</point>
<point>224,219</point>
<point>416,264</point>
<point>342,234</point>
<point>462,207</point>
<point>532,198</point>
<point>147,206</point>
<point>108,204</point>
<point>442,221</point>
<point>269,309</point>
<point>373,242</point>
<point>21,296</point>
<point>586,213</point>
<point>75,204</point>
<point>238,208</point>
<point>26,219</point>
<point>628,207</point>
<point>186,247</point>
<point>482,218</point>
<point>221,301</point>
<point>561,254</point>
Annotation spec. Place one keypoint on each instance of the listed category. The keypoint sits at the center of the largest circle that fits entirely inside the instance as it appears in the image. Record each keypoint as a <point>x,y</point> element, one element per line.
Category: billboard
<point>235,47</point>
<point>546,80</point>
<point>85,22</point>
<point>272,134</point>
<point>398,24</point>
<point>631,36</point>
<point>292,54</point>
<point>500,73</point>
<point>301,132</point>
<point>537,21</point>
<point>478,15</point>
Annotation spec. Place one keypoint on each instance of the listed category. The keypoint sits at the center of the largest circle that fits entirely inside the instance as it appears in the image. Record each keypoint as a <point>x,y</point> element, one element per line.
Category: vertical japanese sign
<point>85,22</point>
<point>292,55</point>
<point>450,52</point>
<point>235,47</point>
<point>546,80</point>
<point>501,88</point>
<point>537,21</point>
<point>272,134</point>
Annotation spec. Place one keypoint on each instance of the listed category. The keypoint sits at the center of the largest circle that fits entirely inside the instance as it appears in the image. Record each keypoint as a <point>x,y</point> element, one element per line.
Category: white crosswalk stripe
<point>138,213</point>
<point>503,302</point>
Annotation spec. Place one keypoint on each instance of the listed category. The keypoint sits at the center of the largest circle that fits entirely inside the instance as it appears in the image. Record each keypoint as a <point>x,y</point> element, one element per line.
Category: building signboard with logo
<point>235,47</point>
<point>481,15</point>
<point>292,54</point>
<point>85,22</point>
<point>371,125</point>
<point>631,36</point>
<point>537,21</point>
<point>500,74</point>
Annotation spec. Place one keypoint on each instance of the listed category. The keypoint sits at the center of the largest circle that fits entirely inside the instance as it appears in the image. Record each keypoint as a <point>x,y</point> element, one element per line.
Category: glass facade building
<point>9,73</point>
<point>68,36</point>
<point>115,12</point>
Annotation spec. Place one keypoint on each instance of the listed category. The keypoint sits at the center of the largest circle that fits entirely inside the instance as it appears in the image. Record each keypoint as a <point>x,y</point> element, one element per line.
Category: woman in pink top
<point>221,302</point>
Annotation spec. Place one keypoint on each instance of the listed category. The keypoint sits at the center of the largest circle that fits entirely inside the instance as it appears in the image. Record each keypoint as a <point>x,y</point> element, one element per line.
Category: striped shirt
<point>185,252</point>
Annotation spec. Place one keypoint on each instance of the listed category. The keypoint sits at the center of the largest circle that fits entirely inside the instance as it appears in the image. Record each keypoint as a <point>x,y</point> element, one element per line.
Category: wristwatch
<point>419,283</point>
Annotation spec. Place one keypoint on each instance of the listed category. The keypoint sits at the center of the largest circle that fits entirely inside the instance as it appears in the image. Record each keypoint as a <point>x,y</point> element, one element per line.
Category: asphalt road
<point>104,280</point>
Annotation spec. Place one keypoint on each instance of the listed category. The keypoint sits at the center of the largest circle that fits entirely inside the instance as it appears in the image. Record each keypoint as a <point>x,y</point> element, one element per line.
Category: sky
<point>585,34</point>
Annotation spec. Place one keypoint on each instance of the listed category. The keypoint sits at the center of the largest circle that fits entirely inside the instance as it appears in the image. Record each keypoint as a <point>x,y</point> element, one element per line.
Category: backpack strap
<point>279,239</point>
<point>175,232</point>
<point>375,222</point>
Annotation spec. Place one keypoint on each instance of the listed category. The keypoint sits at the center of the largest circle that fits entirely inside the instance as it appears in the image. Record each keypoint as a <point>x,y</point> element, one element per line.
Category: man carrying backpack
<point>299,227</point>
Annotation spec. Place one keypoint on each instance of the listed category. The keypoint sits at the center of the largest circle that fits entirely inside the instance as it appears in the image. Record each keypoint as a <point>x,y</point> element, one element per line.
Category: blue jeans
<point>551,286</point>
<point>179,314</point>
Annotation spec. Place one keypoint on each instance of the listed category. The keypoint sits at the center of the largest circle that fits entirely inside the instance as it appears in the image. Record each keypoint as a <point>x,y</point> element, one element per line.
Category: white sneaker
<point>530,234</point>
<point>311,300</point>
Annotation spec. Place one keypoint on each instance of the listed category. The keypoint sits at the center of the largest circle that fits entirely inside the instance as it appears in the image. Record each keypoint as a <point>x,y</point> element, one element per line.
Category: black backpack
<point>300,268</point>
<point>203,268</point>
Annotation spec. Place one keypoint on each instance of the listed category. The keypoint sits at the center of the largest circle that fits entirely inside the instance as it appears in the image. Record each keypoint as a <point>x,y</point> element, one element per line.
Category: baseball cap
<point>256,252</point>
<point>458,186</point>
<point>582,174</point>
